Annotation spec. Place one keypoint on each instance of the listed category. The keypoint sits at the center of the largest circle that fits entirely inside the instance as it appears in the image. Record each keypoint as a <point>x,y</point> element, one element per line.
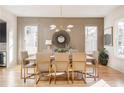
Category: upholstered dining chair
<point>93,64</point>
<point>44,65</point>
<point>79,64</point>
<point>62,64</point>
<point>25,65</point>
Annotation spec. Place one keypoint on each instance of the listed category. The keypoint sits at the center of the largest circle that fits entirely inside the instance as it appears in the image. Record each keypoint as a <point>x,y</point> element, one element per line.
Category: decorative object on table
<point>48,43</point>
<point>61,50</point>
<point>61,39</point>
<point>108,36</point>
<point>103,57</point>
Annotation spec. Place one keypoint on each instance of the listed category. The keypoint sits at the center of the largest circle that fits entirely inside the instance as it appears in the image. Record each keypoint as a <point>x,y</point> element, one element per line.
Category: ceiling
<point>60,10</point>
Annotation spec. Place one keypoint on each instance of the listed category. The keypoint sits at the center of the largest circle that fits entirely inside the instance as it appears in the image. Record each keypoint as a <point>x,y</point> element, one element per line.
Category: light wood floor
<point>11,77</point>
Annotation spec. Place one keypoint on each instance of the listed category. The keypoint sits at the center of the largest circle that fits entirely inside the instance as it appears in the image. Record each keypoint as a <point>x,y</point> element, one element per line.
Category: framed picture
<point>108,36</point>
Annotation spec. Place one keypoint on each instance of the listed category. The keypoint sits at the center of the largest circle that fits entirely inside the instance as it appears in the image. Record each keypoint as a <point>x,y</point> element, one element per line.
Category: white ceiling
<point>61,10</point>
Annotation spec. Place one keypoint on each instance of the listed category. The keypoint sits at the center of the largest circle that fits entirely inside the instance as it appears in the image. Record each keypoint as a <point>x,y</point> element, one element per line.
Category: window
<point>31,33</point>
<point>90,39</point>
<point>120,39</point>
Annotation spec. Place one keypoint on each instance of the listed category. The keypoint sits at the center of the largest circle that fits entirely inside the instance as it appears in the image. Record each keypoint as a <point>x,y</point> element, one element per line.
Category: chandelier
<point>68,28</point>
<point>56,28</point>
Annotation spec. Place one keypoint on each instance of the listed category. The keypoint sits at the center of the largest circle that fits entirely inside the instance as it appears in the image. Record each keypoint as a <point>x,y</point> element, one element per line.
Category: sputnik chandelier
<point>57,28</point>
<point>67,28</point>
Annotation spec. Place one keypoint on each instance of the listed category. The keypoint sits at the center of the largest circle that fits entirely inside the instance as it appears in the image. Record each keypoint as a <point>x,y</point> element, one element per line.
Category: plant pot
<point>104,62</point>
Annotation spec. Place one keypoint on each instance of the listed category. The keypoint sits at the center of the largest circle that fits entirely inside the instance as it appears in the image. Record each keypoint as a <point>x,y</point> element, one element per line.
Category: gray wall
<point>77,35</point>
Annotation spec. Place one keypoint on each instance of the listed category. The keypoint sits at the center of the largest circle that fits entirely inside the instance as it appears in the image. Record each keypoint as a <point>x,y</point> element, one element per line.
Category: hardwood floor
<point>11,77</point>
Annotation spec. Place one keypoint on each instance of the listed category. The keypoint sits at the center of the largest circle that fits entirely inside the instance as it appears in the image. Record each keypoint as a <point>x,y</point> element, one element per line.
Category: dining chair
<point>93,64</point>
<point>26,65</point>
<point>62,64</point>
<point>79,65</point>
<point>44,65</point>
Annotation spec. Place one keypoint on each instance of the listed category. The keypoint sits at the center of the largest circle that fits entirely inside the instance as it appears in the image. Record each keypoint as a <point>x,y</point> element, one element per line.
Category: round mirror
<point>61,39</point>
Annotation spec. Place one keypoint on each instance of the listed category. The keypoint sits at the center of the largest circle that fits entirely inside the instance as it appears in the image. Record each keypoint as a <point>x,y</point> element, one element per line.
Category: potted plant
<point>103,57</point>
<point>61,50</point>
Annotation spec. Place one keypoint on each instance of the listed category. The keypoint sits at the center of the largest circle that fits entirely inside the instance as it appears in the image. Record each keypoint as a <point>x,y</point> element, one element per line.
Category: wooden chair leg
<point>27,71</point>
<point>38,79</point>
<point>72,76</point>
<point>68,77</point>
<point>35,75</point>
<point>55,78</point>
<point>24,76</point>
<point>85,73</point>
<point>94,73</point>
<point>35,78</point>
<point>50,76</point>
<point>22,73</point>
<point>84,77</point>
<point>97,72</point>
